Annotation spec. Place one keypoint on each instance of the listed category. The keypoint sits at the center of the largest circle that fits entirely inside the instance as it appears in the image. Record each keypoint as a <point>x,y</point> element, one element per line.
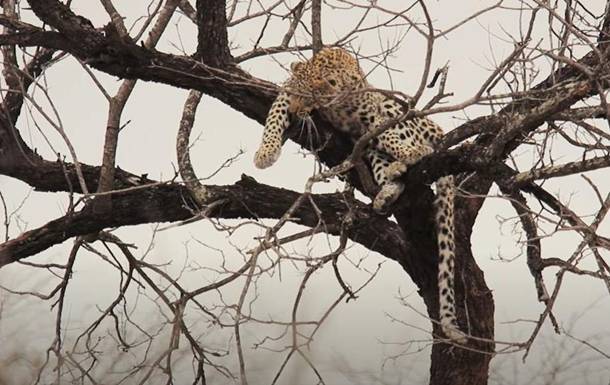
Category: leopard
<point>333,83</point>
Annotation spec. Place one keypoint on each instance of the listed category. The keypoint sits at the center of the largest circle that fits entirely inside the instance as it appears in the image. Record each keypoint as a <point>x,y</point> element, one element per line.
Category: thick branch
<point>245,199</point>
<point>213,43</point>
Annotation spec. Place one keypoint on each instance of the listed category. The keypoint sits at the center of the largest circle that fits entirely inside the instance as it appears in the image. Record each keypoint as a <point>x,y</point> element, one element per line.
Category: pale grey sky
<point>357,332</point>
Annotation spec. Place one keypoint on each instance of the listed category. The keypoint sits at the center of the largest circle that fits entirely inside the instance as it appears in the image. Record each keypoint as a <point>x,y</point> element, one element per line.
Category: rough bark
<point>450,364</point>
<point>411,242</point>
<point>212,40</point>
<point>165,203</point>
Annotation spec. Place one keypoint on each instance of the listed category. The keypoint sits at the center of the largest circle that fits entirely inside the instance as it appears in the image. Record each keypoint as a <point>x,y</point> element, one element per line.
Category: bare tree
<point>546,98</point>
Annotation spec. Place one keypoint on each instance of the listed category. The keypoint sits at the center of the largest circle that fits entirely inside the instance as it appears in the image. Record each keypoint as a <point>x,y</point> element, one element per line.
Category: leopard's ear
<point>294,66</point>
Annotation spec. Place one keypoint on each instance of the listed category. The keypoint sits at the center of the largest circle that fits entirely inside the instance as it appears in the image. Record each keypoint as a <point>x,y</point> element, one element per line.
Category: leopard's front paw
<point>395,170</point>
<point>388,194</point>
<point>266,155</point>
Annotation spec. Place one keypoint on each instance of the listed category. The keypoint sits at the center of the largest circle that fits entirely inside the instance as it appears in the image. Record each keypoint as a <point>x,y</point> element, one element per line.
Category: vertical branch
<point>429,49</point>
<point>115,16</point>
<point>118,102</point>
<point>56,347</point>
<point>212,38</point>
<point>197,190</point>
<point>9,58</point>
<point>534,259</point>
<point>604,32</point>
<point>188,10</point>
<point>316,25</point>
<point>17,80</point>
<point>296,13</point>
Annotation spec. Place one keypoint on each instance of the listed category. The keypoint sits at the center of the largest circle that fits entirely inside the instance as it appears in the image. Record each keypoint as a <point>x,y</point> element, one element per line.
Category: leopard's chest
<point>346,120</point>
<point>355,115</point>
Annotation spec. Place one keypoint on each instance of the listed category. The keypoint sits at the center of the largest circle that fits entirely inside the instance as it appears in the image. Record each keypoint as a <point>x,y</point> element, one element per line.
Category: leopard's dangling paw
<point>395,170</point>
<point>388,194</point>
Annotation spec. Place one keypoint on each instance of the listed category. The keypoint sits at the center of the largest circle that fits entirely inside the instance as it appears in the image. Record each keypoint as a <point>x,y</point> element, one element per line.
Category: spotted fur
<point>333,83</point>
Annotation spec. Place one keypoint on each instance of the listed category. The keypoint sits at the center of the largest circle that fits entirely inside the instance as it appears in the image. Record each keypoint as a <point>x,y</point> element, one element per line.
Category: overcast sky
<point>354,338</point>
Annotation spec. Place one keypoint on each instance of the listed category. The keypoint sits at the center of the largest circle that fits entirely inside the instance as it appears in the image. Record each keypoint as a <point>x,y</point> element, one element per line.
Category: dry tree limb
<point>118,101</point>
<point>534,249</point>
<point>316,25</point>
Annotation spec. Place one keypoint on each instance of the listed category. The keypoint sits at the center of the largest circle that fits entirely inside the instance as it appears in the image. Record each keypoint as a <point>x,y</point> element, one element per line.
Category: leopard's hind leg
<point>390,189</point>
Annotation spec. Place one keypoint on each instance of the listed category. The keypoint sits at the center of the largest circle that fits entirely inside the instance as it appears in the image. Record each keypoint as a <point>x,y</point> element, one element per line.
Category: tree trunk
<point>451,365</point>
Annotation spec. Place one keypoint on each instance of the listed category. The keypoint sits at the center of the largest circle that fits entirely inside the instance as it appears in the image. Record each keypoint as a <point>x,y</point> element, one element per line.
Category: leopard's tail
<point>444,204</point>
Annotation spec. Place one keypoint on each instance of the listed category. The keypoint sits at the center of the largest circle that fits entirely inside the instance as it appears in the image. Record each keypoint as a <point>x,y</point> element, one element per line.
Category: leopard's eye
<point>332,82</point>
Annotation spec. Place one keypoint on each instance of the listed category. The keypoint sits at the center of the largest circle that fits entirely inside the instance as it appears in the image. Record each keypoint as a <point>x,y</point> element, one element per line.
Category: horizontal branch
<point>561,170</point>
<point>245,199</point>
<point>506,175</point>
<point>48,39</point>
<point>594,112</point>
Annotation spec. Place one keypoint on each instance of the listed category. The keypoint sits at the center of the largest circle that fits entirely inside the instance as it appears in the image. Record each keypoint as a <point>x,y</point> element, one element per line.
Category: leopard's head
<point>309,89</point>
<point>321,80</point>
